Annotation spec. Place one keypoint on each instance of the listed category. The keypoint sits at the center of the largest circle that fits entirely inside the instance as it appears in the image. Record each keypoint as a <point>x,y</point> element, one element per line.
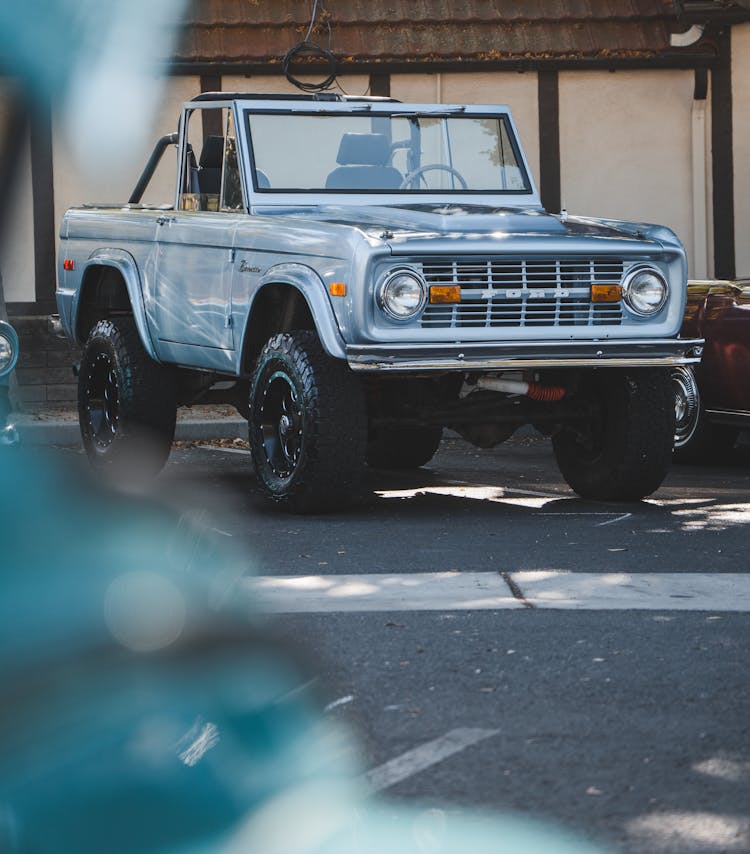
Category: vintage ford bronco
<point>356,275</point>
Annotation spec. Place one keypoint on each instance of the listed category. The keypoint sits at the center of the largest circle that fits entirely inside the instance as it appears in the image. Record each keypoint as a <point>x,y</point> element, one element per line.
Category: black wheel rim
<point>102,401</point>
<point>281,424</point>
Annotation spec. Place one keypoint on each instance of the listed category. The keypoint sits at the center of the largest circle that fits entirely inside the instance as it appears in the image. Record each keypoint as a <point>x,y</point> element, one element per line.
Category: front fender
<point>126,265</point>
<point>311,286</point>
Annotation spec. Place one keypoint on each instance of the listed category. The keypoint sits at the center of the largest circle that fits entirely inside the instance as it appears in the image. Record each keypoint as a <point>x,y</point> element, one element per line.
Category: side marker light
<point>444,294</point>
<point>606,293</point>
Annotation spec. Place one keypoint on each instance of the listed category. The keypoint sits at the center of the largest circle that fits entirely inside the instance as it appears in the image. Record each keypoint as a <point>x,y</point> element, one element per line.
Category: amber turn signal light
<point>337,289</point>
<point>445,293</point>
<point>606,293</point>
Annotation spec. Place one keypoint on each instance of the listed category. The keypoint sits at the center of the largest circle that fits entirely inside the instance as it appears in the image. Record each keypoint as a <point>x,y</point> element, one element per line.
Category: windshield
<point>409,153</point>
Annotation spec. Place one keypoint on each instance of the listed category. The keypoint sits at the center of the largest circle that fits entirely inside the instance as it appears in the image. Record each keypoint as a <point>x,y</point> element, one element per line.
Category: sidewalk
<point>59,426</point>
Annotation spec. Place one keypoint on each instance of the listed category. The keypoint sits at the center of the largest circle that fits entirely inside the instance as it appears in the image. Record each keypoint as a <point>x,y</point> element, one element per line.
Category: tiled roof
<point>251,33</point>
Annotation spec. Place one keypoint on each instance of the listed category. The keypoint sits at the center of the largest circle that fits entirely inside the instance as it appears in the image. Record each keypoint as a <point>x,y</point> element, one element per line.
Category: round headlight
<point>403,294</point>
<point>645,290</point>
<point>8,349</point>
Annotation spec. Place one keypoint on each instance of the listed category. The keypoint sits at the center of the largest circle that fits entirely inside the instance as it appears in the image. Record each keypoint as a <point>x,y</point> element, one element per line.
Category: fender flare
<point>126,265</point>
<point>305,280</point>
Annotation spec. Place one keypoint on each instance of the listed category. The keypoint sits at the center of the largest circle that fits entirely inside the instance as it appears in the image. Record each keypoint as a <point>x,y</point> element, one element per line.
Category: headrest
<point>370,149</point>
<point>213,152</point>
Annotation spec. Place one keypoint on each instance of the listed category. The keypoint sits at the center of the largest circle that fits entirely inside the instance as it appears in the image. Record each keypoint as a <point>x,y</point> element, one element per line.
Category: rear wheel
<point>126,402</point>
<point>624,452</point>
<point>403,448</point>
<point>307,425</point>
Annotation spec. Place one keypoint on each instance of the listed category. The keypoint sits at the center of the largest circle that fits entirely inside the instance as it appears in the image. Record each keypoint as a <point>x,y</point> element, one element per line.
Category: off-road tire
<point>126,402</point>
<point>307,427</point>
<point>699,440</point>
<point>402,447</point>
<point>625,453</point>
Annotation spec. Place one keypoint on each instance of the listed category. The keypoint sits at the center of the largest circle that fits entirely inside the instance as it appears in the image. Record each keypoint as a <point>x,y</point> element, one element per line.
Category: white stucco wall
<point>625,147</point>
<point>518,91</point>
<point>741,124</point>
<point>75,185</point>
<point>277,84</point>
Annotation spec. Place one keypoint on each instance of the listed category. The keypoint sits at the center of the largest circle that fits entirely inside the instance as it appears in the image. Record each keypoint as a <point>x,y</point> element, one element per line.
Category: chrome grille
<point>518,292</point>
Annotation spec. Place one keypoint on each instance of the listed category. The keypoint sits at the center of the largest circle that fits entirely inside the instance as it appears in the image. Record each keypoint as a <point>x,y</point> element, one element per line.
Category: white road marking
<point>223,533</point>
<point>621,518</point>
<point>225,450</point>
<point>482,591</point>
<point>659,591</point>
<point>422,757</point>
<point>342,701</point>
<point>416,591</point>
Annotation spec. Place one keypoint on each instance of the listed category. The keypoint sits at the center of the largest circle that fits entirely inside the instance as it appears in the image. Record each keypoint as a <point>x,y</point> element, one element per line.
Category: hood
<point>399,225</point>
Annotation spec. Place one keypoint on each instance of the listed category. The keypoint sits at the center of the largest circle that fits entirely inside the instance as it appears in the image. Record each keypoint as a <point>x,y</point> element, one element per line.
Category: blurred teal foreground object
<point>140,713</point>
<point>97,62</point>
<point>134,717</point>
<point>52,44</point>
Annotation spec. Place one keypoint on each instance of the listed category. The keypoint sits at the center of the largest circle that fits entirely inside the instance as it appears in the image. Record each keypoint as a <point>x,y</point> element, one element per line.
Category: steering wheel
<point>419,172</point>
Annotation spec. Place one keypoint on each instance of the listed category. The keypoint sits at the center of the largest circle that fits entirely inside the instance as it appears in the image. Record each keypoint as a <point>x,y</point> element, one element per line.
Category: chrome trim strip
<point>593,354</point>
<point>519,364</point>
<point>729,416</point>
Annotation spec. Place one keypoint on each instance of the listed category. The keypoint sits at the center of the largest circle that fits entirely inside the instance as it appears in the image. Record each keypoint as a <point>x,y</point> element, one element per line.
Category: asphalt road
<point>632,726</point>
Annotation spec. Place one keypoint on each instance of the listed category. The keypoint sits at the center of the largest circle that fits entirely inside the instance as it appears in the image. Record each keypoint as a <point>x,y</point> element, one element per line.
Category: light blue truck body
<point>194,277</point>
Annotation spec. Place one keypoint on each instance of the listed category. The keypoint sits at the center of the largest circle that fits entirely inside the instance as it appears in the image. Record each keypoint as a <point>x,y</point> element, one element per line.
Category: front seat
<point>209,173</point>
<point>362,160</point>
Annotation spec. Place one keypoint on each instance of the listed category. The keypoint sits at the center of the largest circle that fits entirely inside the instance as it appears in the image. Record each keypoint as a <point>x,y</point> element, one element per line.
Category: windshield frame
<point>305,197</point>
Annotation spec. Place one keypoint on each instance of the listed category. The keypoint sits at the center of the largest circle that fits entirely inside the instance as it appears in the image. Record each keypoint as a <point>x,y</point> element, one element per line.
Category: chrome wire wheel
<point>687,405</point>
<point>102,401</point>
<point>281,424</point>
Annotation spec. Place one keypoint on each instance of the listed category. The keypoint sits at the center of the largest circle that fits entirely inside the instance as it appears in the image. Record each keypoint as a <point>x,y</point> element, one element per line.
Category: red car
<point>712,399</point>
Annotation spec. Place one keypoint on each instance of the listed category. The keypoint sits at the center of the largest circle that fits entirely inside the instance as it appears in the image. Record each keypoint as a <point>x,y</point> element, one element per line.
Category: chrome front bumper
<point>665,352</point>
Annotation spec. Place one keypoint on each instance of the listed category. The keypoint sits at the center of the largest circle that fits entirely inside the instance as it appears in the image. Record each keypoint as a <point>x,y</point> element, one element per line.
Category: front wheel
<point>126,402</point>
<point>623,453</point>
<point>308,425</point>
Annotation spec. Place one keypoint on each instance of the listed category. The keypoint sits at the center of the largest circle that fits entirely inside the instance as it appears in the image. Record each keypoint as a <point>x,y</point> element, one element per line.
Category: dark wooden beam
<point>723,159</point>
<point>398,66</point>
<point>43,200</point>
<point>380,85</point>
<point>549,141</point>
<point>211,118</point>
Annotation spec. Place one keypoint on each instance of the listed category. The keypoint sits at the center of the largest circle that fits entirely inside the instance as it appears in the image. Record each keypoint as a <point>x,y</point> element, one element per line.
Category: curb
<point>67,432</point>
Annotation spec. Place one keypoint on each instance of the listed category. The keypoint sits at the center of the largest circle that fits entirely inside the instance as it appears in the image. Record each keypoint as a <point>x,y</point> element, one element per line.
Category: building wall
<point>518,91</point>
<point>741,127</point>
<point>626,147</point>
<point>73,185</point>
<point>277,84</point>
